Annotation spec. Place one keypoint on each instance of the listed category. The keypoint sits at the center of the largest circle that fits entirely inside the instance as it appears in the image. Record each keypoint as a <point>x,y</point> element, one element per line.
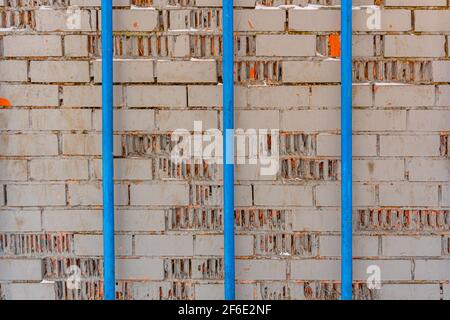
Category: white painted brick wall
<point>168,217</point>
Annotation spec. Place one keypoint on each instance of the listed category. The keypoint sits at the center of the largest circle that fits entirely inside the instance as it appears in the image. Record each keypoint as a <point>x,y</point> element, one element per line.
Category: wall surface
<point>168,216</point>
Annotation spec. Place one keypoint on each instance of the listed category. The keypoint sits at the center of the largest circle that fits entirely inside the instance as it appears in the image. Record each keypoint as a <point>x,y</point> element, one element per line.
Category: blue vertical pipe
<point>346,149</point>
<point>228,147</point>
<point>107,151</point>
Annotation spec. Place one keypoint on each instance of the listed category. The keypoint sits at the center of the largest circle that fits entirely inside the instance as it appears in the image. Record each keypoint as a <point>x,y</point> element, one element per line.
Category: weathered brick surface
<point>168,216</point>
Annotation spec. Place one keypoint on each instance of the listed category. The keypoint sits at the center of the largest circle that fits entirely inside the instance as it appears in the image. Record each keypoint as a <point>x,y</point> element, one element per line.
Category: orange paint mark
<point>4,102</point>
<point>334,44</point>
<point>252,74</point>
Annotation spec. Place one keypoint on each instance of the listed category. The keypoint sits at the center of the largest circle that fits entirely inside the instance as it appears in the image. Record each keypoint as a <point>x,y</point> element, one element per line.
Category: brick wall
<point>168,216</point>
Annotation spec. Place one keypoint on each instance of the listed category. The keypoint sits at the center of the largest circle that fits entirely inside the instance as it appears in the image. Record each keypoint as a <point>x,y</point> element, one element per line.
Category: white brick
<point>330,195</point>
<point>259,20</point>
<point>72,220</point>
<point>391,20</point>
<point>97,3</point>
<point>212,245</point>
<point>413,3</point>
<point>57,119</point>
<point>186,71</point>
<point>330,269</point>
<point>90,194</point>
<point>432,20</point>
<point>14,119</point>
<point>164,245</point>
<point>406,246</point>
<point>212,291</point>
<point>211,96</point>
<point>429,120</point>
<point>441,70</point>
<point>173,120</point>
<point>32,46</point>
<point>89,96</point>
<point>76,45</point>
<point>316,220</point>
<point>286,45</point>
<point>445,195</point>
<point>129,120</point>
<point>378,170</point>
<point>59,169</point>
<point>156,96</point>
<point>362,46</point>
<point>48,19</point>
<point>218,3</point>
<point>397,270</point>
<point>421,169</point>
<point>252,119</point>
<point>310,120</point>
<point>59,71</point>
<point>315,269</point>
<point>443,96</point>
<point>13,70</point>
<point>21,269</point>
<point>140,220</point>
<point>260,270</point>
<point>405,291</point>
<point>30,291</point>
<point>87,144</point>
<point>179,46</point>
<point>414,46</point>
<point>408,194</point>
<point>141,19</point>
<point>28,144</point>
<point>404,95</point>
<point>379,120</point>
<point>311,71</point>
<point>301,19</point>
<point>20,221</point>
<point>278,96</point>
<point>36,195</point>
<point>432,270</point>
<point>162,194</point>
<point>139,269</point>
<point>127,169</point>
<point>314,20</point>
<point>283,195</point>
<point>410,145</point>
<point>330,95</point>
<point>363,246</point>
<point>32,95</point>
<point>92,245</point>
<point>127,70</point>
<point>330,145</point>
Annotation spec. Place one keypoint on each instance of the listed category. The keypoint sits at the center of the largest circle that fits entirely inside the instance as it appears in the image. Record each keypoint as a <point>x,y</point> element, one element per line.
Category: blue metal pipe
<point>346,149</point>
<point>109,283</point>
<point>228,147</point>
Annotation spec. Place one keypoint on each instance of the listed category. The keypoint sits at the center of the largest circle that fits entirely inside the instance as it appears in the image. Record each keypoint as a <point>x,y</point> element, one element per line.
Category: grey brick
<point>212,245</point>
<point>20,220</point>
<point>139,269</point>
<point>21,269</point>
<point>164,245</point>
<point>72,220</point>
<point>407,246</point>
<point>260,270</point>
<point>36,195</point>
<point>92,245</point>
<point>160,194</point>
<point>30,291</point>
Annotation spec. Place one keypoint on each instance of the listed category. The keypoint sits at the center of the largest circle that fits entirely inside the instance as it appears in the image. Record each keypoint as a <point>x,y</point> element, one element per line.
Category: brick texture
<point>168,215</point>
